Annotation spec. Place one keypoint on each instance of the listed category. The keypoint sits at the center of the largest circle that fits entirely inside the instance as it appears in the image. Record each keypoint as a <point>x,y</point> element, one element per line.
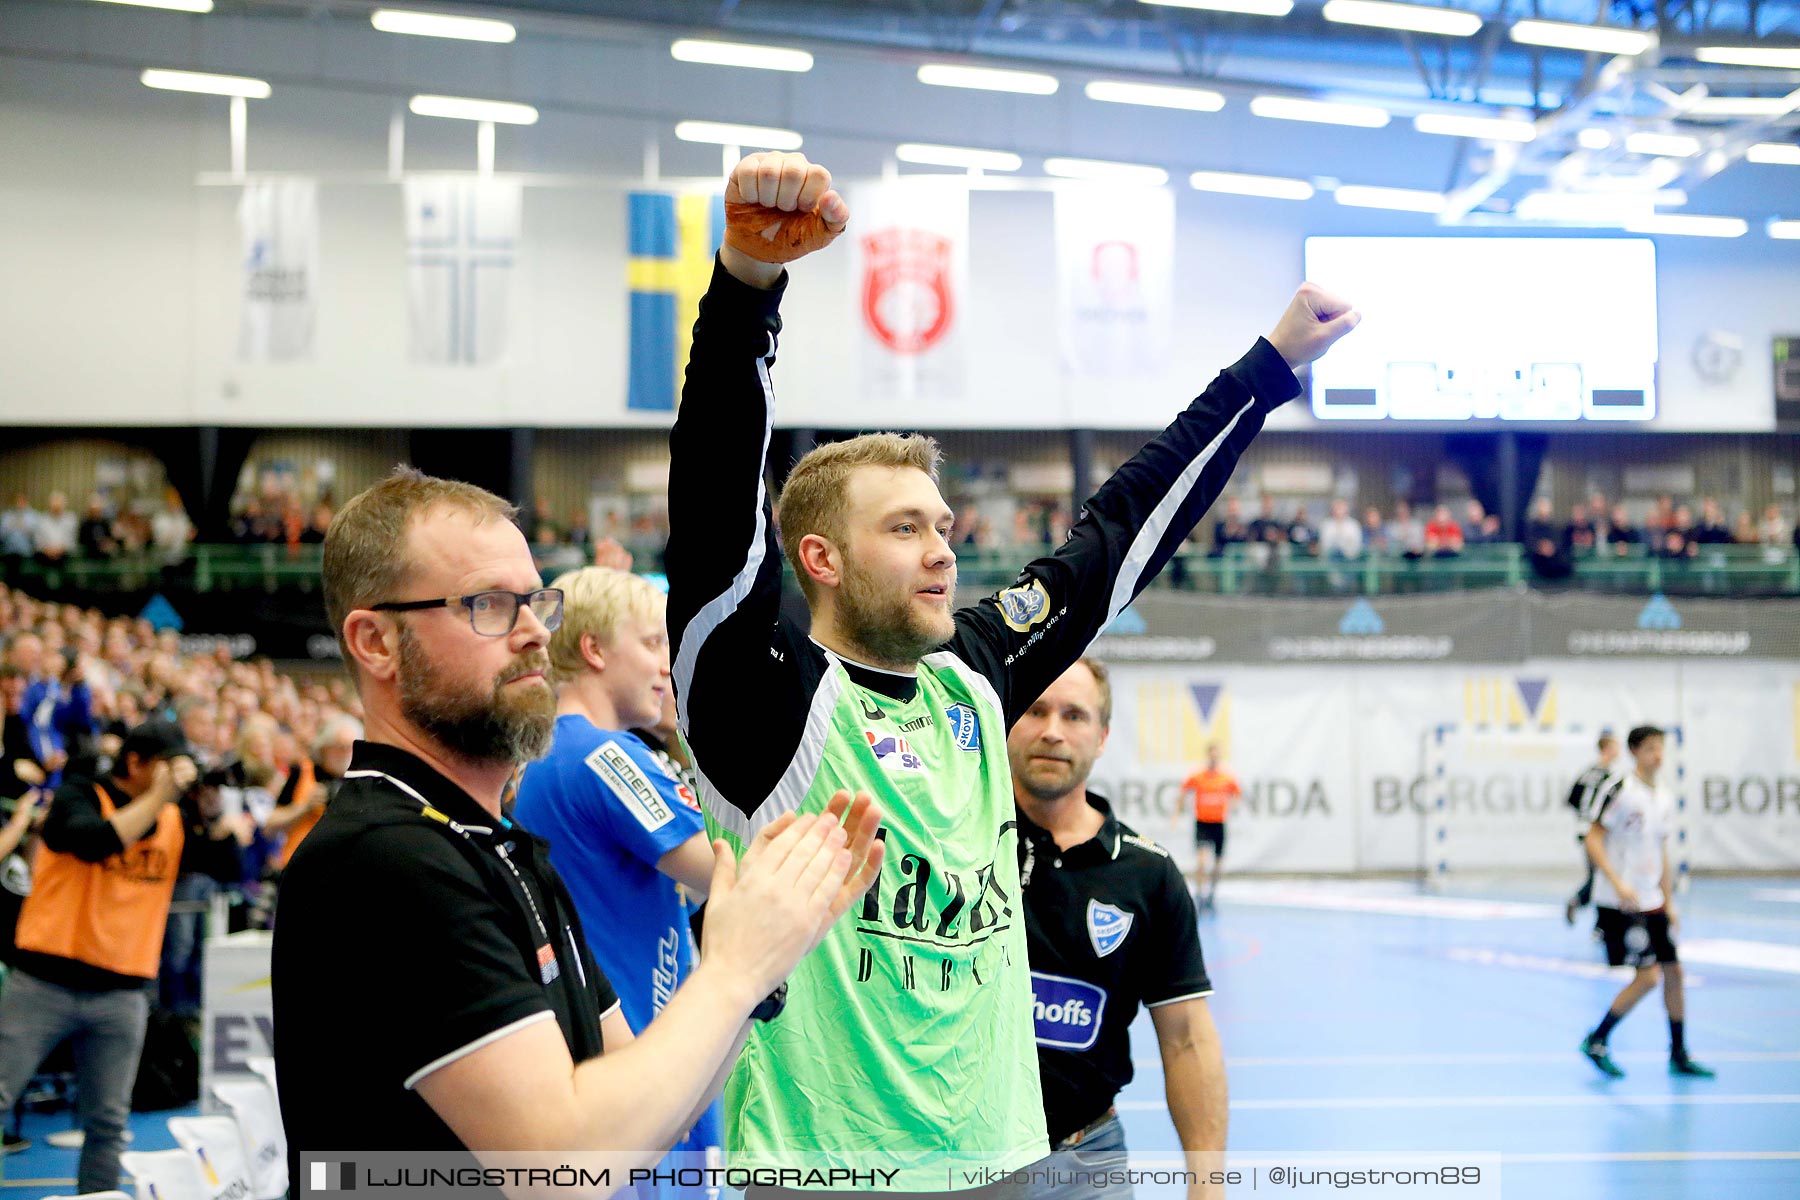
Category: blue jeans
<point>1071,1171</point>
<point>107,1031</point>
<point>184,946</point>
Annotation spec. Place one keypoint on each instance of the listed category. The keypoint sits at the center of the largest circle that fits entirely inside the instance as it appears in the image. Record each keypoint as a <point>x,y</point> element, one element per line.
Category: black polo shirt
<point>401,945</point>
<point>1109,925</point>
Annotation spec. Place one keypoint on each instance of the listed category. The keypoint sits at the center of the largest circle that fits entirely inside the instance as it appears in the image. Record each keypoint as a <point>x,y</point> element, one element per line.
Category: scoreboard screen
<point>1489,329</point>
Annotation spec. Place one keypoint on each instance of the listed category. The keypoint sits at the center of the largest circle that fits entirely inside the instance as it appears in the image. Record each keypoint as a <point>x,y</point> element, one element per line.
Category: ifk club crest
<point>906,297</point>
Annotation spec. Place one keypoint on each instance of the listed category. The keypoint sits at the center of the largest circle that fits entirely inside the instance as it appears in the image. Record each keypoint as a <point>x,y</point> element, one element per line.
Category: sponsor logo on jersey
<point>922,721</point>
<point>1066,1012</point>
<point>687,796</point>
<point>1023,607</point>
<point>870,712</point>
<point>665,976</point>
<point>893,751</point>
<point>1107,926</point>
<point>636,791</point>
<point>965,726</point>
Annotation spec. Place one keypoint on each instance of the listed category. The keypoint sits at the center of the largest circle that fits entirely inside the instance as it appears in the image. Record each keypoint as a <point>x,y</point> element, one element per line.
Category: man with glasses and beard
<point>914,1042</point>
<point>432,989</point>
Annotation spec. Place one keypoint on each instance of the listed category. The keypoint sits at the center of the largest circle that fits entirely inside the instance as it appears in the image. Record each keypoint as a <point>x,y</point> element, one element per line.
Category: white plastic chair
<point>166,1175</point>
<point>218,1143</point>
<point>263,1066</point>
<point>252,1102</point>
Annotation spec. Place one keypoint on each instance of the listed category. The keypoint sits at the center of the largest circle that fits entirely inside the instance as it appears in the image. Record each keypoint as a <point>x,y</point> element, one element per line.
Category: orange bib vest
<point>303,790</point>
<point>110,914</point>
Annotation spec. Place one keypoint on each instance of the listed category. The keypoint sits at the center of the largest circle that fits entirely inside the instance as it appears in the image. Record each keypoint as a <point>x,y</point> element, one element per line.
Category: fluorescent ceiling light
<point>1601,209</point>
<point>1399,199</point>
<point>988,79</point>
<point>1750,56</point>
<point>1290,108</point>
<point>1668,145</point>
<point>957,156</point>
<point>719,133</point>
<point>426,24</point>
<point>1594,139</point>
<point>1254,8</point>
<point>1744,106</point>
<point>1598,39</point>
<point>188,6</point>
<point>1111,172</point>
<point>1690,226</point>
<point>1155,95</point>
<point>211,85</point>
<point>461,108</point>
<point>1787,231</point>
<point>739,54</point>
<point>1493,129</point>
<point>1270,186</point>
<point>1774,153</point>
<point>1415,18</point>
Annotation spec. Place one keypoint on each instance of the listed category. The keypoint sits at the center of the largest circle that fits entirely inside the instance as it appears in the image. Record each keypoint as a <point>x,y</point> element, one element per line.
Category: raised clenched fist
<point>780,207</point>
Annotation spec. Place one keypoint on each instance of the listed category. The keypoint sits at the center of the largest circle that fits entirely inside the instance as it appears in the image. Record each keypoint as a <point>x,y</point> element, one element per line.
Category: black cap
<point>155,739</point>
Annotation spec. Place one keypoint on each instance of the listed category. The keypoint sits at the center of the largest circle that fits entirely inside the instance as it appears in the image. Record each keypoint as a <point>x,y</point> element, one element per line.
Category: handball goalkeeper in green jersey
<point>907,1040</point>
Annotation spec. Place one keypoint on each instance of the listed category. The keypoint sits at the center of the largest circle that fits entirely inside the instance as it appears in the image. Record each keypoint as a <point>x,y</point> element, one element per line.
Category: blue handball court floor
<point>1369,1025</point>
<point>1370,1019</point>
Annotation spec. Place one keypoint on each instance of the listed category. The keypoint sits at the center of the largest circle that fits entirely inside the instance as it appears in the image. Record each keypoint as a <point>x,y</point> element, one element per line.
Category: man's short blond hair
<point>366,558</point>
<point>596,600</point>
<point>813,498</point>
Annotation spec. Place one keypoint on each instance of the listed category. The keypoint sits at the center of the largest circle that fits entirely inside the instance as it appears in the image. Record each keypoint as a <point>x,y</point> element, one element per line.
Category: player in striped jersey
<point>1584,798</point>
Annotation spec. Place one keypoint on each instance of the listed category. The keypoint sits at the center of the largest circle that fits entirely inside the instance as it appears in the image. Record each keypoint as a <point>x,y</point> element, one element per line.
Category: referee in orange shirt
<point>1213,791</point>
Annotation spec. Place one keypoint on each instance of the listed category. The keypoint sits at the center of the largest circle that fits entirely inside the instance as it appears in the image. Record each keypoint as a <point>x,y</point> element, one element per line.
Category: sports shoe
<point>1597,1054</point>
<point>1569,913</point>
<point>1687,1066</point>
<point>14,1144</point>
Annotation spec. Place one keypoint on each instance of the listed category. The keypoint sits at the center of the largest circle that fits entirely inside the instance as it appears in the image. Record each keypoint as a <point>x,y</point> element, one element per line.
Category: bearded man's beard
<point>495,726</point>
<point>886,625</point>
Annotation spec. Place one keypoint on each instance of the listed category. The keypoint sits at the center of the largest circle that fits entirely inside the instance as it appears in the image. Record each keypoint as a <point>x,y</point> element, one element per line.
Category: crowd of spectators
<point>55,535</point>
<point>270,749</point>
<point>1592,528</point>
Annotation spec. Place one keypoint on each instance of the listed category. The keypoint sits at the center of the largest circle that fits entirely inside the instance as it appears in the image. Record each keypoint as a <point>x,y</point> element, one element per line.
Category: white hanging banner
<point>912,269</point>
<point>278,220</point>
<point>462,241</point>
<point>1115,250</point>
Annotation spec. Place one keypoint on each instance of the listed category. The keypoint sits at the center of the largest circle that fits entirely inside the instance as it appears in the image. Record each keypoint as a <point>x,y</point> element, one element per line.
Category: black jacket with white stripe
<point>745,676</point>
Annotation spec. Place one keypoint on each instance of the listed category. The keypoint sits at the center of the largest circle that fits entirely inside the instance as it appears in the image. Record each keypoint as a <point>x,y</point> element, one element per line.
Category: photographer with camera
<point>90,936</point>
<point>212,857</point>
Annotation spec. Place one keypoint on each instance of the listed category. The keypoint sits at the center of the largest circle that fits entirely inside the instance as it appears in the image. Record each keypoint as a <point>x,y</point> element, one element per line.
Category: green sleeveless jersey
<point>914,1014</point>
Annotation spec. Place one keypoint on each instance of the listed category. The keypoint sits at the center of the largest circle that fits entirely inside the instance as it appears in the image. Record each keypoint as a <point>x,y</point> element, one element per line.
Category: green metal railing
<point>1241,570</point>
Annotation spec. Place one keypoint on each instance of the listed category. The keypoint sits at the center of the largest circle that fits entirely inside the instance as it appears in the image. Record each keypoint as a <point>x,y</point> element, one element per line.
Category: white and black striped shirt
<point>1584,796</point>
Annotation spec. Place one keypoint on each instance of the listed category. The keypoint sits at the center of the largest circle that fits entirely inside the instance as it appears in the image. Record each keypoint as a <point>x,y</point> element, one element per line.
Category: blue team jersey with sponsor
<point>610,809</point>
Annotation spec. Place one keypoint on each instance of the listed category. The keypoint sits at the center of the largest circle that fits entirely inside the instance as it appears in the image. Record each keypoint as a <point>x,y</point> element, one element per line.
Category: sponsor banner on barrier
<point>237,1021</point>
<point>1342,767</point>
<point>1499,625</point>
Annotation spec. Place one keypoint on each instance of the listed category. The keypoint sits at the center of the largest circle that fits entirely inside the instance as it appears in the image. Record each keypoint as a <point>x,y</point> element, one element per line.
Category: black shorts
<point>1635,939</point>
<point>1210,831</point>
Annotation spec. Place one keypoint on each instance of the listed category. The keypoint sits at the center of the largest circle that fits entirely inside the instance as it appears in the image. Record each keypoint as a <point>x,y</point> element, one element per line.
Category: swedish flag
<point>672,241</point>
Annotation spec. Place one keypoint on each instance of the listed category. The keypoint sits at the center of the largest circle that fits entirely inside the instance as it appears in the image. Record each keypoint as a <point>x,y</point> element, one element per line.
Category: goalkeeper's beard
<point>886,625</point>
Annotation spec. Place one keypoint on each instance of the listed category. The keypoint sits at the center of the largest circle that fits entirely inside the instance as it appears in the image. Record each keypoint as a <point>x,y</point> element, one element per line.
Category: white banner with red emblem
<point>1115,282</point>
<point>912,271</point>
